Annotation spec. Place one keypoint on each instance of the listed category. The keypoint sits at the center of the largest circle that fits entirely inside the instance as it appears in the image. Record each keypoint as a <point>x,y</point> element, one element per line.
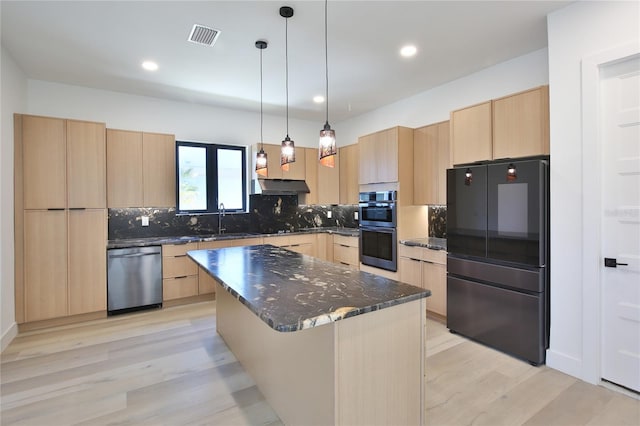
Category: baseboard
<point>565,363</point>
<point>8,336</point>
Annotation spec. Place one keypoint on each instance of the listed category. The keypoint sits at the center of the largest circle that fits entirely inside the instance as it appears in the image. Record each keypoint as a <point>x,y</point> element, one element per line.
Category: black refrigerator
<point>498,255</point>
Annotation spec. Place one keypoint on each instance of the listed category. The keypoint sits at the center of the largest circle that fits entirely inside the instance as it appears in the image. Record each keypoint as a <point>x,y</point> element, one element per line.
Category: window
<point>209,174</point>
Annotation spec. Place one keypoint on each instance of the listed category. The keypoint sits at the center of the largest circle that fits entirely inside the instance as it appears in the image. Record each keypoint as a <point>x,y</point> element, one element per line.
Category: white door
<point>620,148</point>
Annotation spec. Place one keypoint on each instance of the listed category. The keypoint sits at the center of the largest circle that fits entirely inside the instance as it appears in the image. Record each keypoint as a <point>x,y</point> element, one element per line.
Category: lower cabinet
<point>425,268</point>
<point>346,251</point>
<point>179,272</point>
<point>64,263</point>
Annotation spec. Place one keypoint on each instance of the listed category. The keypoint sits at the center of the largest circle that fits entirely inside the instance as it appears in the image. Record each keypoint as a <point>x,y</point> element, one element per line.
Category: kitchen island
<point>324,343</point>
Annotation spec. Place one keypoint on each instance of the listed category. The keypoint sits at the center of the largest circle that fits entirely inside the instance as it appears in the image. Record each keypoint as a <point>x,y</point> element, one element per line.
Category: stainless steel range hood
<point>282,186</point>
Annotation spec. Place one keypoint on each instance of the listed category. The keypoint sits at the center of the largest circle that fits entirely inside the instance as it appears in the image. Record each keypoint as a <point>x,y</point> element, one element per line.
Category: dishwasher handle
<point>117,256</point>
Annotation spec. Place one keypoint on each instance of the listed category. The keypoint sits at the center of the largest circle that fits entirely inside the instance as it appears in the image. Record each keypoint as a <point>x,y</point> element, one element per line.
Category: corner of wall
<point>8,336</point>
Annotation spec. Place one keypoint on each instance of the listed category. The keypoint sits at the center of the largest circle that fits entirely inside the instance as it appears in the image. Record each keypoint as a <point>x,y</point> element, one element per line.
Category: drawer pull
<point>180,255</point>
<point>182,277</point>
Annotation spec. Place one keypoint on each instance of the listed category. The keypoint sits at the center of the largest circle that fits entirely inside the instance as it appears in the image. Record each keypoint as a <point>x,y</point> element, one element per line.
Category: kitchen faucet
<point>220,214</point>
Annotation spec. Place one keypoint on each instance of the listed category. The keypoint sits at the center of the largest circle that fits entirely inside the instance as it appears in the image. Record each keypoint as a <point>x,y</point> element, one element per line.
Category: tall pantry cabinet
<point>60,217</point>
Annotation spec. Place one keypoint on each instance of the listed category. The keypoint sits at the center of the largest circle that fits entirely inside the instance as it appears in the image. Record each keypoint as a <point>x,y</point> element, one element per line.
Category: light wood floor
<point>169,367</point>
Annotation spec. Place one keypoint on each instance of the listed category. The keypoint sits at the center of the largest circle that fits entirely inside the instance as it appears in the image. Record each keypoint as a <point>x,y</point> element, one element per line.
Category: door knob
<point>612,263</point>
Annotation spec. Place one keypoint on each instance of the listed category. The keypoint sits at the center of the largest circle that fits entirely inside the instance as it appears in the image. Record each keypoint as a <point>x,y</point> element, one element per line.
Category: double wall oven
<point>378,233</point>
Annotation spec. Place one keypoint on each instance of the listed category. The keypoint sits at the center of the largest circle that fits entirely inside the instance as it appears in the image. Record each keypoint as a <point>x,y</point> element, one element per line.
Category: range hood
<point>282,186</point>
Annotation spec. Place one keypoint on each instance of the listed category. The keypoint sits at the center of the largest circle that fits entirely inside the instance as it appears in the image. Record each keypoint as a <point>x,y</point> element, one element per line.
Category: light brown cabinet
<point>140,169</point>
<point>513,126</point>
<point>425,268</point>
<point>158,170</point>
<point>382,153</point>
<point>87,266</point>
<point>60,226</point>
<point>471,134</point>
<point>430,163</point>
<point>86,165</point>
<point>346,250</point>
<point>329,182</point>
<point>44,165</point>
<point>521,124</point>
<point>45,265</point>
<point>311,166</point>
<point>179,272</point>
<point>349,174</point>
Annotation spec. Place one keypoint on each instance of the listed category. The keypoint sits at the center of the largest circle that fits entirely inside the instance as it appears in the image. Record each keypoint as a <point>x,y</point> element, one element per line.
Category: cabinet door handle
<point>77,208</point>
<point>56,209</point>
<point>180,255</point>
<point>182,277</point>
<point>414,259</point>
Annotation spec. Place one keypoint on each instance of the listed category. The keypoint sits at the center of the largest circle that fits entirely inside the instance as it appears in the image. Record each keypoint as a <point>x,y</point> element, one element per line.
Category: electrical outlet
<point>329,214</point>
<point>355,215</point>
<point>145,220</point>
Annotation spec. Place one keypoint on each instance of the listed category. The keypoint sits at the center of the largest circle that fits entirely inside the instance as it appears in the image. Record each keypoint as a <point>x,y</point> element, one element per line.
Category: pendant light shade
<point>327,150</point>
<point>287,149</point>
<point>261,156</point>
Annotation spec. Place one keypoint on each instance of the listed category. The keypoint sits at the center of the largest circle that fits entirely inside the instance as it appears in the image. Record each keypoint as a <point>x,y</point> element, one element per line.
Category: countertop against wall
<point>154,241</point>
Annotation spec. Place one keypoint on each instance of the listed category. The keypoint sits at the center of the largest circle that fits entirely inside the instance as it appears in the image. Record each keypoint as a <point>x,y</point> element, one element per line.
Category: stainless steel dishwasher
<point>134,278</point>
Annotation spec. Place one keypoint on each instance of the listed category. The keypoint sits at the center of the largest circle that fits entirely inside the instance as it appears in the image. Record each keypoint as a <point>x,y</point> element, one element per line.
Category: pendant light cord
<point>326,59</point>
<point>286,68</point>
<point>261,138</point>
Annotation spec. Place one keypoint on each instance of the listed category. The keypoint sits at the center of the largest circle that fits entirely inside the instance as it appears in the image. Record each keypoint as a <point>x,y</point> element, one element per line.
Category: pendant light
<point>327,149</point>
<point>261,156</point>
<point>288,150</point>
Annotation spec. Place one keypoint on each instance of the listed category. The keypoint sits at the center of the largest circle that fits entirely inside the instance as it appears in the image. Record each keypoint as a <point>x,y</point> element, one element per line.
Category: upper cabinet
<point>323,182</point>
<point>158,170</point>
<point>387,157</point>
<point>140,169</point>
<point>63,163</point>
<point>521,124</point>
<point>510,127</point>
<point>297,169</point>
<point>471,134</point>
<point>349,173</point>
<point>328,181</point>
<point>430,163</point>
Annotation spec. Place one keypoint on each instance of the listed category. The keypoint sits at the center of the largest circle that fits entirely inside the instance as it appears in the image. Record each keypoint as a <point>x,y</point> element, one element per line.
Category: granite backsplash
<point>268,214</point>
<point>437,221</point>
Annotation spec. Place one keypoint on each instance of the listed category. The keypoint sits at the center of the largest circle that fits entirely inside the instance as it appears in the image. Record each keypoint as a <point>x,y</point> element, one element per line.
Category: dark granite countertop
<point>428,242</point>
<point>154,241</point>
<point>291,291</point>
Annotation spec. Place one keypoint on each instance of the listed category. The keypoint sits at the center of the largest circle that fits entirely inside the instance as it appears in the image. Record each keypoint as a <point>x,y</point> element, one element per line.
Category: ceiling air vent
<point>203,35</point>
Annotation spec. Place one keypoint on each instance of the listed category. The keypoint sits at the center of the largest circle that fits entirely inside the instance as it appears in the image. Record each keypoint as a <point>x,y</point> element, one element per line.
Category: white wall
<point>187,121</point>
<point>575,32</point>
<point>14,95</point>
<point>434,105</point>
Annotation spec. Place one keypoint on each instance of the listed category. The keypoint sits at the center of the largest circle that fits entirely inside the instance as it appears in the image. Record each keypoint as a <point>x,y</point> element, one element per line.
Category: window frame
<point>212,176</point>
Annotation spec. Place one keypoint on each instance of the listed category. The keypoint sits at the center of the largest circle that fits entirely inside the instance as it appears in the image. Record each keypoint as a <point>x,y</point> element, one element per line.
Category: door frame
<point>592,206</point>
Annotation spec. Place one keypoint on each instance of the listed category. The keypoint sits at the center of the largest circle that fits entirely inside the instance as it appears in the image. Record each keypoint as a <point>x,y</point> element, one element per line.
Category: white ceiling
<point>102,44</point>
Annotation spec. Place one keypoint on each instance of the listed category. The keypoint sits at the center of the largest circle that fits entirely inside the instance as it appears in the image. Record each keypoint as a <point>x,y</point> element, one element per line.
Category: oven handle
<point>386,230</point>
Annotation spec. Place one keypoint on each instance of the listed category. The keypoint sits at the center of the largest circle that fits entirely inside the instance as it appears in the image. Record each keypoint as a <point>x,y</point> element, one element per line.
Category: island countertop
<point>291,291</point>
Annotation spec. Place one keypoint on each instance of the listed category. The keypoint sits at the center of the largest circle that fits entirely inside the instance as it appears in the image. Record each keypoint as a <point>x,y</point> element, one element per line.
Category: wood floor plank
<point>169,367</point>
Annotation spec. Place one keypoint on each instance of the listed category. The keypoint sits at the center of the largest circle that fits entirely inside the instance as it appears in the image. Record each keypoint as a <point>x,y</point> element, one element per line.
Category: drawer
<point>178,249</point>
<point>278,240</point>
<point>412,252</point>
<point>176,288</point>
<point>302,249</point>
<point>205,245</point>
<point>346,255</point>
<point>343,240</point>
<point>302,239</point>
<point>178,266</point>
<point>434,256</point>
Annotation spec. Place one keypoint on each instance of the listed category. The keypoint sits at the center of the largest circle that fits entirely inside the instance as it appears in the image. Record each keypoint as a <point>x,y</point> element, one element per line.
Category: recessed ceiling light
<point>150,66</point>
<point>318,99</point>
<point>408,51</point>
